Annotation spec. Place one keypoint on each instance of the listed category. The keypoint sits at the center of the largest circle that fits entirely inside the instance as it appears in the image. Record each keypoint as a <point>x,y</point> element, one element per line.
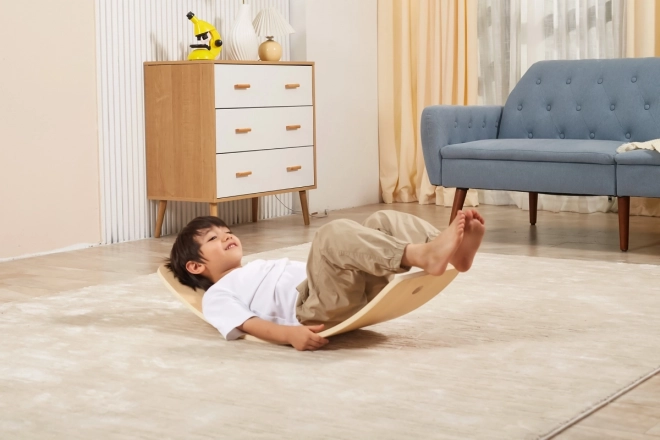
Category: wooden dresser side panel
<point>180,131</point>
<point>314,106</point>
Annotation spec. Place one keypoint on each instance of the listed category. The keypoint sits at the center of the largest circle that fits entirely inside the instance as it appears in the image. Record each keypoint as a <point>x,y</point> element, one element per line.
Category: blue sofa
<point>557,134</point>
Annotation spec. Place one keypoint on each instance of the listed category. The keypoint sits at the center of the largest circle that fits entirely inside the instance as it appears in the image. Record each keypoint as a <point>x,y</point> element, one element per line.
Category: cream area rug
<point>514,349</point>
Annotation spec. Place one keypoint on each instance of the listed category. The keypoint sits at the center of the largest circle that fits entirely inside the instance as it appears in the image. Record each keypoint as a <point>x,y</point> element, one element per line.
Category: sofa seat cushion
<point>638,157</point>
<point>543,177</point>
<point>535,150</point>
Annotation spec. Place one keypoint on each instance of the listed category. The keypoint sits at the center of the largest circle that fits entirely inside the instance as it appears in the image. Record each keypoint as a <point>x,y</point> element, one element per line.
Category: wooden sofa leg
<point>533,205</point>
<point>624,222</point>
<point>459,200</point>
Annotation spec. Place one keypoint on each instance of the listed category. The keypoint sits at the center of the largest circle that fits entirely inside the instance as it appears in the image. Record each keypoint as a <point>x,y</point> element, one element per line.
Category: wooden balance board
<point>405,293</point>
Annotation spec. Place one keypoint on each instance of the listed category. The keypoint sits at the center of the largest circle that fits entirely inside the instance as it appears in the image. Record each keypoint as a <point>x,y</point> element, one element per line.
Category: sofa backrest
<point>615,99</point>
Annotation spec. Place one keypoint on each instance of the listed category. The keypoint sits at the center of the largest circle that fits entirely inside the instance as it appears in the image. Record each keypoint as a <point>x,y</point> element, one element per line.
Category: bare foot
<point>474,233</point>
<point>435,255</point>
<point>470,214</point>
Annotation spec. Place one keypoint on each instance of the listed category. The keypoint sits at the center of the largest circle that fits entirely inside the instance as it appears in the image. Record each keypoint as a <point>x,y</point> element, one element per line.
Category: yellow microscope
<point>209,43</point>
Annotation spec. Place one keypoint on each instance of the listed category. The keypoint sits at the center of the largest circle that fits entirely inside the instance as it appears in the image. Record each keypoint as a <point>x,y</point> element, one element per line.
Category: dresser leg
<point>255,209</point>
<point>305,209</point>
<point>162,205</point>
<point>213,209</point>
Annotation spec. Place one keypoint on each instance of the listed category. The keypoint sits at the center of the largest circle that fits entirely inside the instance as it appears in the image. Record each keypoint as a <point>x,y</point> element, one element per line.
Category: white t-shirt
<point>262,288</point>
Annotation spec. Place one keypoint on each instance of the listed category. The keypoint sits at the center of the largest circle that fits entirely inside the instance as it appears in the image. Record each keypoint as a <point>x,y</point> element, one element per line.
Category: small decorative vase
<point>242,41</point>
<point>270,50</point>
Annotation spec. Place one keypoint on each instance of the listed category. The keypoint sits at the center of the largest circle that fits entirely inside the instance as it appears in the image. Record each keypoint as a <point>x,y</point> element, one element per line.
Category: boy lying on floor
<point>289,302</point>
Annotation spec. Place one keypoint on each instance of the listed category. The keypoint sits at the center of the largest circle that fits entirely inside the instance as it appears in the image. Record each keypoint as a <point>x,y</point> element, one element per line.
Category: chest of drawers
<point>217,131</point>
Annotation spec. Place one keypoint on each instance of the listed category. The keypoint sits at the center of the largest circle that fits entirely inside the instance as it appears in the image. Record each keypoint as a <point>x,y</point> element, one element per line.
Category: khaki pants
<point>349,264</point>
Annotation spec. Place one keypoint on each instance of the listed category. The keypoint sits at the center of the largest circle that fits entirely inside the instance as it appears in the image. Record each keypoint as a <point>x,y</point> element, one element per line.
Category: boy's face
<point>221,250</point>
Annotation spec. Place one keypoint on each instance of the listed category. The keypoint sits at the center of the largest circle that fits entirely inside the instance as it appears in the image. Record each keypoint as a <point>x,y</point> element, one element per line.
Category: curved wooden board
<point>190,297</point>
<point>405,293</point>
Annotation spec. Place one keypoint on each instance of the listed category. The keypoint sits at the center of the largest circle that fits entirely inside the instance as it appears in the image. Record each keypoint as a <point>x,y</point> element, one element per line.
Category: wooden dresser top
<point>276,63</point>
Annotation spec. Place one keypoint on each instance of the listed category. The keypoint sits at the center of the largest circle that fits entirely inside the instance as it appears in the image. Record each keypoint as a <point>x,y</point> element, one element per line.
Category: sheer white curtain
<point>514,34</point>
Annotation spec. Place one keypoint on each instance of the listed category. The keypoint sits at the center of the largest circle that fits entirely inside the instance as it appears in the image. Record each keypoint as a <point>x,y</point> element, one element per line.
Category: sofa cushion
<point>638,157</point>
<point>638,180</point>
<point>541,177</point>
<point>535,150</point>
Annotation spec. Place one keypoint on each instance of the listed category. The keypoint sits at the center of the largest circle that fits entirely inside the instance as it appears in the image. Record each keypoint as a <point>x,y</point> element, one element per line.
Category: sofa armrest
<point>443,125</point>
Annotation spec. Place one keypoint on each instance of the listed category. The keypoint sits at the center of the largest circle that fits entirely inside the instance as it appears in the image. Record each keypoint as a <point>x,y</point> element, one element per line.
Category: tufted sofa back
<point>617,99</point>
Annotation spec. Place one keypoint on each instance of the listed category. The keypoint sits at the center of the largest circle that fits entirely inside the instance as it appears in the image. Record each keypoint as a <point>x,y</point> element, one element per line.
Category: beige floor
<point>635,415</point>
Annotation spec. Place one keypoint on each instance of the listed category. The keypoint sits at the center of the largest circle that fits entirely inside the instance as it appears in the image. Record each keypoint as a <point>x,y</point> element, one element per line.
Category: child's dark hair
<point>186,248</point>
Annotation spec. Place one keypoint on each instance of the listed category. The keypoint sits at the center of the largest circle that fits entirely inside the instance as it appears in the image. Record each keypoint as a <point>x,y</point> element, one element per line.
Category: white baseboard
<point>74,247</point>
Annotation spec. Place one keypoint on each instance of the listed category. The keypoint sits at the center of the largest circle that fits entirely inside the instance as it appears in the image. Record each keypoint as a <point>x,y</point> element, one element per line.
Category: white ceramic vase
<point>242,41</point>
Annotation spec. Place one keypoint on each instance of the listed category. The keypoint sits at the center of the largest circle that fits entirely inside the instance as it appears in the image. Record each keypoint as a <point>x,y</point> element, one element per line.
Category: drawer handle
<point>296,168</point>
<point>244,174</point>
<point>243,130</point>
<point>292,86</point>
<point>241,86</point>
<point>293,127</point>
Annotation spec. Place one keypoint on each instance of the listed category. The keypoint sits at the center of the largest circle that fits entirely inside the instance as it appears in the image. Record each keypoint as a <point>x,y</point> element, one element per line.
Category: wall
<point>340,36</point>
<point>49,159</point>
<point>49,192</point>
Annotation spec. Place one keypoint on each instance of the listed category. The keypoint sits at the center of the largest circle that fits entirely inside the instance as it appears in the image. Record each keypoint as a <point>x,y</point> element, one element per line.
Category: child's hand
<point>304,337</point>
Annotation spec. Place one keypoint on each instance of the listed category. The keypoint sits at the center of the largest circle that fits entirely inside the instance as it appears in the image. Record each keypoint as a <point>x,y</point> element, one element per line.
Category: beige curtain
<point>427,54</point>
<point>643,40</point>
<point>643,28</point>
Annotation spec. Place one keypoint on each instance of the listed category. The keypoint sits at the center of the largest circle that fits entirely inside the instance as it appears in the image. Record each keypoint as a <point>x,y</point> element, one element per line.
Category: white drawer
<point>261,171</point>
<point>249,129</point>
<point>269,85</point>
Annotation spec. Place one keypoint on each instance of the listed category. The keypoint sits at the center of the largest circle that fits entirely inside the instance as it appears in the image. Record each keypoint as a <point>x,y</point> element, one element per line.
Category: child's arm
<point>300,336</point>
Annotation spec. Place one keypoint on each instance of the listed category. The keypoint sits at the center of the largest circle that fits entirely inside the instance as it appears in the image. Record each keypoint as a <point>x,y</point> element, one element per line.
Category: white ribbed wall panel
<point>130,32</point>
